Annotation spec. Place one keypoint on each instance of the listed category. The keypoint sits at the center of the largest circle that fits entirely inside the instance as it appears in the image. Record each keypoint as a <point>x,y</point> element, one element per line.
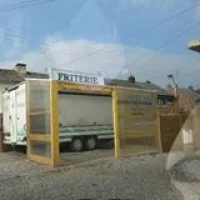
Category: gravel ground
<point>185,177</point>
<point>73,158</point>
<point>136,177</point>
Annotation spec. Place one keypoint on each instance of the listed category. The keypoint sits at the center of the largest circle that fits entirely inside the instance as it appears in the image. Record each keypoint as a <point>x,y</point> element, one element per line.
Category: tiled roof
<point>36,75</point>
<point>11,76</point>
<point>138,85</point>
<point>192,94</point>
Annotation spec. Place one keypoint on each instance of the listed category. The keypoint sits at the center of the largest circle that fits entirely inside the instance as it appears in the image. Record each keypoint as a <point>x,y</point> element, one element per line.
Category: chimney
<point>148,82</point>
<point>131,79</point>
<point>20,68</point>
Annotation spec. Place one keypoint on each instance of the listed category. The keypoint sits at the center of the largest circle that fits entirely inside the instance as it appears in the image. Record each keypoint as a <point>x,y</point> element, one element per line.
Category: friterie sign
<point>77,77</point>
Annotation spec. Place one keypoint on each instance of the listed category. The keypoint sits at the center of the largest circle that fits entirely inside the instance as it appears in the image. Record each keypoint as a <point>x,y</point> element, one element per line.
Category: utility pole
<point>176,93</point>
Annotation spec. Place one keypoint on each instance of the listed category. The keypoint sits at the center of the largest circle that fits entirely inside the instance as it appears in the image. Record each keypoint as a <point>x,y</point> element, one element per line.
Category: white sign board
<point>188,140</point>
<point>187,137</point>
<point>76,77</point>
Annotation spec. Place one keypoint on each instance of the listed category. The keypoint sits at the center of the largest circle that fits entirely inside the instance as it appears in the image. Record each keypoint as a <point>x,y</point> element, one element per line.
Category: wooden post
<point>158,135</point>
<point>116,122</point>
<point>55,154</point>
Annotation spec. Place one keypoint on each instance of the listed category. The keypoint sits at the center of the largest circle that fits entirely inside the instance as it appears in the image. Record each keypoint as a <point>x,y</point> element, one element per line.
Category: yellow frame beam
<point>54,117</point>
<point>60,86</point>
<point>68,86</point>
<point>39,137</point>
<point>43,137</point>
<point>116,122</point>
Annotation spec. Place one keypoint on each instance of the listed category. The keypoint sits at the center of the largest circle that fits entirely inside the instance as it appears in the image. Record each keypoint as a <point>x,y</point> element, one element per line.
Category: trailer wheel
<point>90,143</point>
<point>77,144</point>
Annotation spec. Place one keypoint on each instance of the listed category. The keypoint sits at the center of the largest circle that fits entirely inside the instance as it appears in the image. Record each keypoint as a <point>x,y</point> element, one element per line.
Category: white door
<point>12,117</point>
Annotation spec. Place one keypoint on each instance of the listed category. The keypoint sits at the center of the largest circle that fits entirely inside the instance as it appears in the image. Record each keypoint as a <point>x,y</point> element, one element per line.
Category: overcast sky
<point>107,36</point>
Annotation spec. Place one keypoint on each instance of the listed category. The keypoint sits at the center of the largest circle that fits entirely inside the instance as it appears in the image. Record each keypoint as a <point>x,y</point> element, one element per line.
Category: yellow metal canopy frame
<point>43,147</point>
<point>52,138</point>
<point>38,125</point>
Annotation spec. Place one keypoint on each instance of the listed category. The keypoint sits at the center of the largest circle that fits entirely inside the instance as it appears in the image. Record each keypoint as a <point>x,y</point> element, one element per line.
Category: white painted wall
<point>2,88</point>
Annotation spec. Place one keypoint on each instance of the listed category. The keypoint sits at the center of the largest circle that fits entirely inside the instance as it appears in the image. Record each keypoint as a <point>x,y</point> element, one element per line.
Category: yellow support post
<point>55,159</point>
<point>116,122</point>
<point>158,135</point>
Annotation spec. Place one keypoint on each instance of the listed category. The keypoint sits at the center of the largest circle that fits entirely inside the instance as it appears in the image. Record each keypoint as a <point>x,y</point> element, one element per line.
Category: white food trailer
<point>84,118</point>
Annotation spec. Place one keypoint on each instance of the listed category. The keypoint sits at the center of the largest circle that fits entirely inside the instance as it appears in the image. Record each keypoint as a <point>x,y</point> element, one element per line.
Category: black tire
<point>90,143</point>
<point>77,144</point>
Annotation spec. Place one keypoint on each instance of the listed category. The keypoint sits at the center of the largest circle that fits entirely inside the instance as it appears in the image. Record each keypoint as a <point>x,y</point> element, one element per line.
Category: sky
<point>114,37</point>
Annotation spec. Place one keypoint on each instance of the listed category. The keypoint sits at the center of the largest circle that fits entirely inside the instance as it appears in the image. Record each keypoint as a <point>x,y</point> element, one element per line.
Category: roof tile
<point>138,85</point>
<point>11,76</point>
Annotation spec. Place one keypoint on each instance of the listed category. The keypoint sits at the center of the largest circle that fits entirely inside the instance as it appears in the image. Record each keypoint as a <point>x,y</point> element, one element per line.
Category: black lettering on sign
<point>87,79</point>
<point>81,78</point>
<point>91,80</point>
<point>71,77</point>
<point>95,80</point>
<point>60,76</point>
<point>66,77</point>
<point>76,78</point>
<point>137,113</point>
<point>123,102</point>
<point>127,102</point>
